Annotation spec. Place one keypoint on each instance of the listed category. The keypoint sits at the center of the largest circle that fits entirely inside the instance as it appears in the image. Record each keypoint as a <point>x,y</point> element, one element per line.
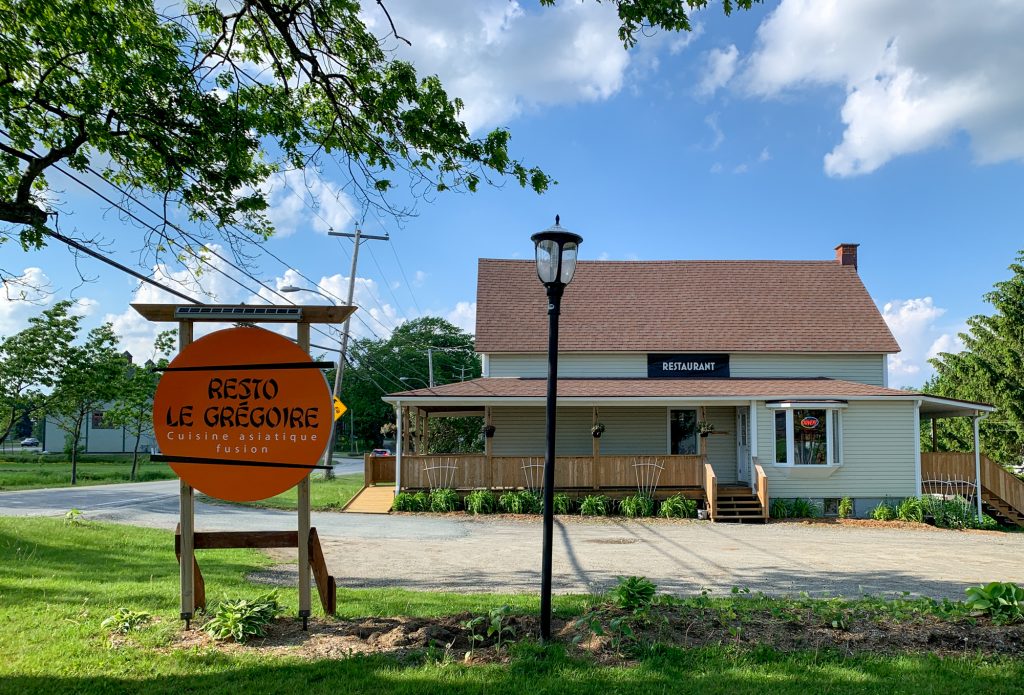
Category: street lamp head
<point>556,254</point>
<point>291,288</point>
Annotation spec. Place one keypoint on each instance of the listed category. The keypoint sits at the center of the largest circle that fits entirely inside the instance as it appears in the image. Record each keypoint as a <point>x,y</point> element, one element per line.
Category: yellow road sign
<point>339,408</point>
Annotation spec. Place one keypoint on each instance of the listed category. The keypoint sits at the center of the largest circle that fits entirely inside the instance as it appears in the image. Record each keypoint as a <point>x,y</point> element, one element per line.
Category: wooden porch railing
<point>761,488</point>
<point>472,471</point>
<point>710,490</point>
<point>945,465</point>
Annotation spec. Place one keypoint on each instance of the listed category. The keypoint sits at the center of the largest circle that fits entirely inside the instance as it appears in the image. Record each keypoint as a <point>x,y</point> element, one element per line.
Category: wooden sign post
<point>244,414</point>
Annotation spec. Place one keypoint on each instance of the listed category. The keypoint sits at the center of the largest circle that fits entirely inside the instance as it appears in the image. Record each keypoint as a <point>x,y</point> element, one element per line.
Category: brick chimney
<point>846,254</point>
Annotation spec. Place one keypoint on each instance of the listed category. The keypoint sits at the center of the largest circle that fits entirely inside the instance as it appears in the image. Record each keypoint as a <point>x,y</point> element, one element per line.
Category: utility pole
<point>357,238</point>
<point>430,366</point>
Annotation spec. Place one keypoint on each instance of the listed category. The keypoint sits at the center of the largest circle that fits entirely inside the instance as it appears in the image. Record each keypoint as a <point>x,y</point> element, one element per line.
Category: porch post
<point>595,455</point>
<point>752,435</point>
<point>426,432</point>
<point>977,463</point>
<point>488,449</point>
<point>398,447</point>
<point>917,446</point>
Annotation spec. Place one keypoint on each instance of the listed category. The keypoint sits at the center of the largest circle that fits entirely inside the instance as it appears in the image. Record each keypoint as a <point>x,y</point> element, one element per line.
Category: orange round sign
<point>237,397</point>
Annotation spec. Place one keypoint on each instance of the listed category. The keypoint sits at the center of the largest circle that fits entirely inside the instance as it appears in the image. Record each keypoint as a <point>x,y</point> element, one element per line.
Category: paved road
<point>502,554</point>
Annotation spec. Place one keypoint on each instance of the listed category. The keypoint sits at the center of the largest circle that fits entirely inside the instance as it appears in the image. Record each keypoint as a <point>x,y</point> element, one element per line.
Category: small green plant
<point>125,620</point>
<point>883,512</point>
<point>563,503</point>
<point>635,506</point>
<point>595,505</point>
<point>420,501</point>
<point>845,508</point>
<point>481,502</point>
<point>243,618</point>
<point>705,428</point>
<point>1002,601</point>
<point>404,502</point>
<point>911,510</point>
<point>73,517</point>
<point>678,507</point>
<point>520,502</point>
<point>495,624</point>
<point>444,499</point>
<point>633,593</point>
<point>804,509</point>
<point>779,509</point>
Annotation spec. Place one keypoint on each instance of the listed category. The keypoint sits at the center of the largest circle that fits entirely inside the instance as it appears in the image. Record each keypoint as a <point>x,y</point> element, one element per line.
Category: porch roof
<point>614,391</point>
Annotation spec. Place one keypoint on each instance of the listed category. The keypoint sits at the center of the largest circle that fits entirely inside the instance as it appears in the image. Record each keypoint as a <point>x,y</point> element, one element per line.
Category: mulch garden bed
<point>786,630</point>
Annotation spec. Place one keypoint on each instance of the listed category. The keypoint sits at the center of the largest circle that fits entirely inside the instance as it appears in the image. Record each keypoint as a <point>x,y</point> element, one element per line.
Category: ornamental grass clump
<point>443,500</point>
<point>845,508</point>
<point>562,503</point>
<point>911,510</point>
<point>678,507</point>
<point>481,502</point>
<point>883,512</point>
<point>635,506</point>
<point>595,505</point>
<point>520,502</point>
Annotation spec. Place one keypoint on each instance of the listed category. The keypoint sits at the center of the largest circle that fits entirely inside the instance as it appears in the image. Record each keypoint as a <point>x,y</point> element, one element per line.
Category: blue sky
<point>771,134</point>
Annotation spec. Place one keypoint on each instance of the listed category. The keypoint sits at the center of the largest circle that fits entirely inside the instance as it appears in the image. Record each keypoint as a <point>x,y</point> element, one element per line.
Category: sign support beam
<point>186,516</point>
<point>305,602</point>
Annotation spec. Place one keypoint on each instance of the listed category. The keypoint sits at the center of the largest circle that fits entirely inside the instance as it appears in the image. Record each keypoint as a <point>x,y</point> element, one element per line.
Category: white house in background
<point>785,360</point>
<point>97,437</point>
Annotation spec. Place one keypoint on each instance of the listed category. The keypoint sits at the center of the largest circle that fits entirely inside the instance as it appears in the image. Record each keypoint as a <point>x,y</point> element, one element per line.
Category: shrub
<point>444,499</point>
<point>633,593</point>
<point>563,503</point>
<point>635,506</point>
<point>883,512</point>
<point>988,523</point>
<point>73,517</point>
<point>678,507</point>
<point>125,620</point>
<point>804,509</point>
<point>520,502</point>
<point>481,502</point>
<point>1002,601</point>
<point>910,509</point>
<point>845,508</point>
<point>595,505</point>
<point>779,509</point>
<point>421,501</point>
<point>955,513</point>
<point>404,502</point>
<point>243,618</point>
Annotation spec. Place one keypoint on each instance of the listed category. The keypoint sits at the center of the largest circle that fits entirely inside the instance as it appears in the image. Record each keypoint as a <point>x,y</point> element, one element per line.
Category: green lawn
<point>58,582</point>
<point>23,472</point>
<point>324,495</point>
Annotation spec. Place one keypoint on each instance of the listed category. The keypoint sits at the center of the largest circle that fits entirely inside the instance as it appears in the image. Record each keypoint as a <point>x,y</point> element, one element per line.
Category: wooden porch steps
<point>373,499</point>
<point>1000,510</point>
<point>738,505</point>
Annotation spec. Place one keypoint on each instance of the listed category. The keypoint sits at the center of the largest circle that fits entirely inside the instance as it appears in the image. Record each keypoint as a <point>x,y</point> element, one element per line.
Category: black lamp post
<point>556,263</point>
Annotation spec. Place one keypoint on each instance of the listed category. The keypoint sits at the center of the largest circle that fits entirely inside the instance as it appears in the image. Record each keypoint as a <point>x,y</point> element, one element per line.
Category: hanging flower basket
<point>597,430</point>
<point>489,431</point>
<point>704,428</point>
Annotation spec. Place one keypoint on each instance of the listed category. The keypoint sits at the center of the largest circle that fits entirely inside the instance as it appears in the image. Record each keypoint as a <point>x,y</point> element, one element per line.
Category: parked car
<point>381,452</point>
<point>30,441</point>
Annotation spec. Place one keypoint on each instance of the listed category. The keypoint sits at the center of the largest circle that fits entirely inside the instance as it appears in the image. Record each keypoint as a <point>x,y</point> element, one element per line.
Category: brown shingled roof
<point>760,389</point>
<point>683,306</point>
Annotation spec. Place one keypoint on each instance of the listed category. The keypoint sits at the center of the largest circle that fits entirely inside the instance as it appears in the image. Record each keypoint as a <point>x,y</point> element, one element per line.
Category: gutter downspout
<point>398,447</point>
<point>977,459</point>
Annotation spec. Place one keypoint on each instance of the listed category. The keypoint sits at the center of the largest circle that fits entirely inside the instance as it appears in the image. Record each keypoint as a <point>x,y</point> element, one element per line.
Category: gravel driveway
<point>502,554</point>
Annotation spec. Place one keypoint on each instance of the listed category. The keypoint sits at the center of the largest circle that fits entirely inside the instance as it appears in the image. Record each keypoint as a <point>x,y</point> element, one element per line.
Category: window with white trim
<point>808,434</point>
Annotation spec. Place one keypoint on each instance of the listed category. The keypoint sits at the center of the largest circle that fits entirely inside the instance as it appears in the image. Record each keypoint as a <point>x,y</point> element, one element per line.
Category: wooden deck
<point>375,499</point>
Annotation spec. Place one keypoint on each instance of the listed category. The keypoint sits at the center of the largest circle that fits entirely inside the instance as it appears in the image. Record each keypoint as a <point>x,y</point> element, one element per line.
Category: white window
<point>808,434</point>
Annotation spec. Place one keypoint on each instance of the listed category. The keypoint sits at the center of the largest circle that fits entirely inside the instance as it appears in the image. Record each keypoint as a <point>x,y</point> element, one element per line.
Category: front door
<point>742,446</point>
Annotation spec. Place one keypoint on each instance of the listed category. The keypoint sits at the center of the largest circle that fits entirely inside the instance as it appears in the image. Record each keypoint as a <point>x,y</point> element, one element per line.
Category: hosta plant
<point>125,620</point>
<point>633,593</point>
<point>1002,601</point>
<point>243,618</point>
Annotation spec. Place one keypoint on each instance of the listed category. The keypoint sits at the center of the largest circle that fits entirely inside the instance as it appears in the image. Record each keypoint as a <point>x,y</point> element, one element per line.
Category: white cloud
<point>711,121</point>
<point>503,60</point>
<point>23,297</point>
<point>916,325</point>
<point>300,199</point>
<point>719,67</point>
<point>683,40</point>
<point>463,316</point>
<point>915,74</point>
<point>418,278</point>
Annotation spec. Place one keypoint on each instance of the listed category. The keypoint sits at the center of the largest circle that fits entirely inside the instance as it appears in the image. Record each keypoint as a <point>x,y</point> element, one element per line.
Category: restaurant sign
<point>242,414</point>
<point>687,365</point>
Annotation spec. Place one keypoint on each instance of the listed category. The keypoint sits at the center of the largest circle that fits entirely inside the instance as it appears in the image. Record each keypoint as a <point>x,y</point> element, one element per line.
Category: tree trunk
<point>134,457</point>
<point>74,458</point>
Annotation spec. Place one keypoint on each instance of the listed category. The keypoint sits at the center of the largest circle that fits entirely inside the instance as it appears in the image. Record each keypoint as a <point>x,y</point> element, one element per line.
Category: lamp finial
<point>557,218</point>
